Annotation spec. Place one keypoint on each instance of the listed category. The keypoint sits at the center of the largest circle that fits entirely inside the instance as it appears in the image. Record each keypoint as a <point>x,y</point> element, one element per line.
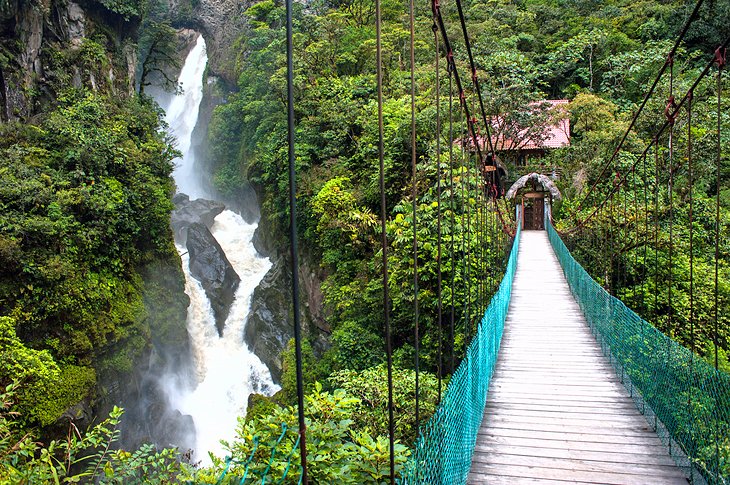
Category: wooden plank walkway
<point>556,412</point>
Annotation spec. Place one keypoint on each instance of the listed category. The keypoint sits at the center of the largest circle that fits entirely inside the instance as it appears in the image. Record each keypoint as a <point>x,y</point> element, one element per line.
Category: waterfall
<point>227,372</point>
<point>182,115</point>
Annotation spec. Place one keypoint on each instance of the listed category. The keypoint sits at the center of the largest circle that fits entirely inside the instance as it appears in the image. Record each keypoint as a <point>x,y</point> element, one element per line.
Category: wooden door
<point>533,214</point>
<point>538,214</point>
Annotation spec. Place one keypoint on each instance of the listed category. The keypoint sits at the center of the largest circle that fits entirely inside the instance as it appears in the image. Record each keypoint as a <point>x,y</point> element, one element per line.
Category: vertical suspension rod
<point>293,238</point>
<point>414,194</point>
<point>438,208</point>
<point>384,238</point>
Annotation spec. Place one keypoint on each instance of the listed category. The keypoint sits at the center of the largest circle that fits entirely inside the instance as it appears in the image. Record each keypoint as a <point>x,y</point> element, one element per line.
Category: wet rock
<point>209,265</point>
<point>188,212</point>
<point>270,326</point>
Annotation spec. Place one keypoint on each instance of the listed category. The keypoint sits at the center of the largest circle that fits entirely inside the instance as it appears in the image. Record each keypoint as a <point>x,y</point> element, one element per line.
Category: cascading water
<point>182,115</point>
<point>227,372</point>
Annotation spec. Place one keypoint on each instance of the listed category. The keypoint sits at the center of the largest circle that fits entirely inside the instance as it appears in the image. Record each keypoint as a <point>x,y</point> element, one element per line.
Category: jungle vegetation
<point>85,195</point>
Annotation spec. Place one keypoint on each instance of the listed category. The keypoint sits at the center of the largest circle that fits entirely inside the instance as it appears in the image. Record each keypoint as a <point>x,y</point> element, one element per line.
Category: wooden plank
<point>610,466</point>
<point>556,411</point>
<point>612,478</point>
<point>498,480</point>
<point>567,444</point>
<point>539,416</point>
<point>590,437</point>
<point>569,429</point>
<point>629,459</point>
<point>608,408</point>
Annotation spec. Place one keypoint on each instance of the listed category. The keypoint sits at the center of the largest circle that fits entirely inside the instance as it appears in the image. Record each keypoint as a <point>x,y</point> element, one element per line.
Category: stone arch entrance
<point>533,192</point>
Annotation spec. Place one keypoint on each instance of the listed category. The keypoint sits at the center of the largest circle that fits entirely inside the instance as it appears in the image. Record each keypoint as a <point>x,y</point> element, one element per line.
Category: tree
<point>158,52</point>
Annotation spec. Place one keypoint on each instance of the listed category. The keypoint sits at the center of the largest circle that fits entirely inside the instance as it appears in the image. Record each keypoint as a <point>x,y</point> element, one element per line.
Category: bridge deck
<point>556,411</point>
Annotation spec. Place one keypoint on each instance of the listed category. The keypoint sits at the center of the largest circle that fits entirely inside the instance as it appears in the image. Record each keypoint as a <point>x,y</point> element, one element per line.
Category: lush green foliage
<point>85,197</point>
<point>638,244</point>
<point>600,55</point>
<point>82,457</point>
<point>338,451</point>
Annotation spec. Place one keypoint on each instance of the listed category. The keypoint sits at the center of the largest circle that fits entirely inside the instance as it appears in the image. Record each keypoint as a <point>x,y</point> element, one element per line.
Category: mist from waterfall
<point>226,371</point>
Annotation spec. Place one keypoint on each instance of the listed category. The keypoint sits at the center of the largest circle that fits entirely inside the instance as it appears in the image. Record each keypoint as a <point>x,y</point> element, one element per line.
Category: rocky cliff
<point>51,50</point>
<point>47,46</point>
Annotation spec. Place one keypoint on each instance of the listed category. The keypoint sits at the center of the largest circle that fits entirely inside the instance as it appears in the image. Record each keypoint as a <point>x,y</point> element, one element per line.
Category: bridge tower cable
<point>475,79</point>
<point>436,8</point>
<point>384,238</point>
<point>293,239</point>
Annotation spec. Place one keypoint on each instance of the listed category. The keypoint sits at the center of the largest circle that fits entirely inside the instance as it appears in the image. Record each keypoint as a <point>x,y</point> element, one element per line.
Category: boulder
<point>188,212</point>
<point>209,265</point>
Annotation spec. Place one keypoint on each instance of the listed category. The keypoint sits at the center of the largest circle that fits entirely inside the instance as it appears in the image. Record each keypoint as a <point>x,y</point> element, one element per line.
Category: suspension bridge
<point>561,380</point>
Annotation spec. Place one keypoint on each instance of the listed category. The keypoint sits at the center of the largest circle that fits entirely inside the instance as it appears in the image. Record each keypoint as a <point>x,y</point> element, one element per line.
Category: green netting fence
<point>444,448</point>
<point>682,396</point>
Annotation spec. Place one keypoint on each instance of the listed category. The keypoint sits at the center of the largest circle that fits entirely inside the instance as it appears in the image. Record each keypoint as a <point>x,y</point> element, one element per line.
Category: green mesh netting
<point>443,450</point>
<point>685,399</point>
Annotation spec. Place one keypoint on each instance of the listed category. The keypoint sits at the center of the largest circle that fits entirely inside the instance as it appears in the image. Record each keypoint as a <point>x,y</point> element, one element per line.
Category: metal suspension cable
<point>646,232</point>
<point>668,62</point>
<point>414,194</point>
<point>691,258</point>
<point>384,238</point>
<point>293,238</point>
<point>475,78</point>
<point>720,59</point>
<point>464,247</point>
<point>471,122</point>
<point>671,200</point>
<point>453,216</point>
<point>656,232</point>
<point>439,275</point>
<point>670,114</point>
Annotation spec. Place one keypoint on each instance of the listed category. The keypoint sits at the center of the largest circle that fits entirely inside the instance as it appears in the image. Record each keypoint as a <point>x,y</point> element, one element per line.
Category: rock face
<point>42,28</point>
<point>270,324</point>
<point>222,21</point>
<point>188,212</point>
<point>209,265</point>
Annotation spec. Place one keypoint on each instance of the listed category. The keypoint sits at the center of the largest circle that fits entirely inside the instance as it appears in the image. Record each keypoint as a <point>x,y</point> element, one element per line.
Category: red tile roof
<point>555,136</point>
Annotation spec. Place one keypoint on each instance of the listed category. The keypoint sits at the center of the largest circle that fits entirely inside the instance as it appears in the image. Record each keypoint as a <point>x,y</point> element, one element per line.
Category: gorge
<point>226,371</point>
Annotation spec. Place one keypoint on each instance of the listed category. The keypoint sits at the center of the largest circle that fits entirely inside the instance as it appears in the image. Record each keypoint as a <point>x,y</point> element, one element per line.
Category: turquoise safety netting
<point>443,451</point>
<point>683,397</point>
